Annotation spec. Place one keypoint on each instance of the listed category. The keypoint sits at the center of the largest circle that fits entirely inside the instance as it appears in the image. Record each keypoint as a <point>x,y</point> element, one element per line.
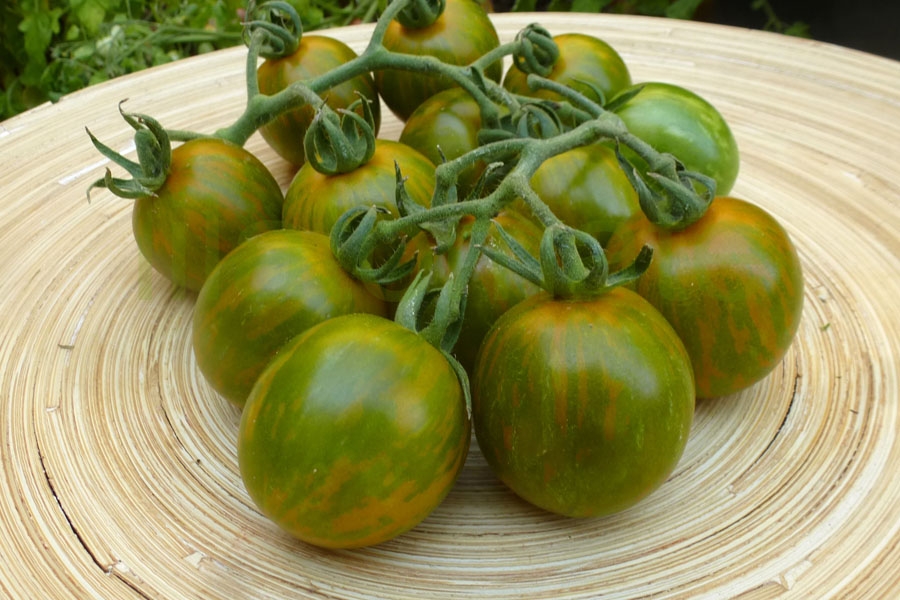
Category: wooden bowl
<point>118,474</point>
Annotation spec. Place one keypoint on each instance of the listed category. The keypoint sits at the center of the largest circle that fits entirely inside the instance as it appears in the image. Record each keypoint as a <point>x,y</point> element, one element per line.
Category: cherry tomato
<point>585,62</point>
<point>316,55</point>
<point>315,201</point>
<point>354,433</point>
<point>582,407</point>
<point>216,195</point>
<point>731,285</point>
<point>447,123</point>
<point>462,34</point>
<point>587,189</point>
<point>676,120</point>
<point>260,296</point>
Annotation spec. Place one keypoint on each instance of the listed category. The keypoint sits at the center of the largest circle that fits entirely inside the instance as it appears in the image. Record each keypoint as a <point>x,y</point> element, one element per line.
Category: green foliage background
<point>51,48</point>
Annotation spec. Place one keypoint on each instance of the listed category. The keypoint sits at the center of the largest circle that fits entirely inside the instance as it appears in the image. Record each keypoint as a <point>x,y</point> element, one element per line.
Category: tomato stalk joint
<point>154,152</point>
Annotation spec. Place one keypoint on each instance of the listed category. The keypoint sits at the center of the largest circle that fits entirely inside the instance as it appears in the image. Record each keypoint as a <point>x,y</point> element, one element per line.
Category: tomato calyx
<point>340,143</point>
<point>353,246</point>
<point>571,264</point>
<point>418,14</point>
<point>668,196</point>
<point>537,52</point>
<point>148,174</point>
<point>442,231</point>
<point>436,315</point>
<point>273,29</point>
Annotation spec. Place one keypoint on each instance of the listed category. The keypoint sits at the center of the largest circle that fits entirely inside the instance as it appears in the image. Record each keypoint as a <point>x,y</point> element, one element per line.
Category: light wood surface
<point>118,474</point>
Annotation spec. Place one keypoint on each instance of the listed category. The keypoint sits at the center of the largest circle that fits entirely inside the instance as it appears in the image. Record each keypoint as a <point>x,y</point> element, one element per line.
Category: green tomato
<point>315,56</point>
<point>216,195</point>
<point>445,126</point>
<point>730,284</point>
<point>675,120</point>
<point>354,433</point>
<point>587,189</point>
<point>586,64</point>
<point>582,407</point>
<point>315,201</point>
<point>493,289</point>
<point>462,34</point>
<point>260,296</point>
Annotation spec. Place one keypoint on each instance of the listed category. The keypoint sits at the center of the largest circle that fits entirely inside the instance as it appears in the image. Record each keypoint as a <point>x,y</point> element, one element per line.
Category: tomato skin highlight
<point>582,59</point>
<point>587,189</point>
<point>731,285</point>
<point>315,56</point>
<point>315,201</point>
<point>354,433</point>
<point>216,195</point>
<point>582,407</point>
<point>447,123</point>
<point>261,295</point>
<point>678,121</point>
<point>461,35</point>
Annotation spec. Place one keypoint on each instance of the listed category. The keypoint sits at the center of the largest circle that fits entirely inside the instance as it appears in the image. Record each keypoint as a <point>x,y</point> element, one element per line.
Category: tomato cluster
<point>546,258</point>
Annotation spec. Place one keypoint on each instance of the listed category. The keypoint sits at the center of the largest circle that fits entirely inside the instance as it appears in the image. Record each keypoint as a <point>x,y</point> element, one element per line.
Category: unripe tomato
<point>315,201</point>
<point>447,123</point>
<point>587,189</point>
<point>493,289</point>
<point>462,34</point>
<point>582,407</point>
<point>354,433</point>
<point>216,195</point>
<point>678,121</point>
<point>583,59</point>
<point>315,56</point>
<point>263,294</point>
<point>731,285</point>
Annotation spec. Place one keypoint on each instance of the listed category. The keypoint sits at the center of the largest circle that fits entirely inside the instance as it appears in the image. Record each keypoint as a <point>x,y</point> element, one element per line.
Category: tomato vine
<point>597,342</point>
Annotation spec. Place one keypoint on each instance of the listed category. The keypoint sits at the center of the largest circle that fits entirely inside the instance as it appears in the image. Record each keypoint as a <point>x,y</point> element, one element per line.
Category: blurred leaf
<point>683,9</point>
<point>798,29</point>
<point>39,29</point>
<point>91,13</point>
<point>592,6</point>
<point>525,6</point>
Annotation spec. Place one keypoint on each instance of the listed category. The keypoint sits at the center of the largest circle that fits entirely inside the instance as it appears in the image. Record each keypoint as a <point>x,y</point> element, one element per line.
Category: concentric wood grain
<point>118,474</point>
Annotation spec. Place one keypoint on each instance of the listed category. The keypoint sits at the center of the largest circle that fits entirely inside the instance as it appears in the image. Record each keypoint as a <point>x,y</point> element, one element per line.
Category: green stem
<point>256,40</point>
<point>261,108</point>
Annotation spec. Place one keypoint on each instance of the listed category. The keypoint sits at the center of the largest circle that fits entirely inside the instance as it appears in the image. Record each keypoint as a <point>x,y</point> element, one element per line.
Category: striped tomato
<point>354,433</point>
<point>730,284</point>
<point>459,36</point>
<point>216,195</point>
<point>265,292</point>
<point>582,407</point>
<point>314,201</point>
<point>445,127</point>
<point>586,188</point>
<point>316,55</point>
<point>586,64</point>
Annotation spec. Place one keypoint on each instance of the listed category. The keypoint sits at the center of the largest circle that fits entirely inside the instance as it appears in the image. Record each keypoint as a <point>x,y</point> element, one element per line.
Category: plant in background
<point>49,49</point>
<point>773,23</point>
<point>676,9</point>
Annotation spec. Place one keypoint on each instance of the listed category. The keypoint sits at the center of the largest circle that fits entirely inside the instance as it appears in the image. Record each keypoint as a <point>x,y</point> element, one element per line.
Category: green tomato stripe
<point>588,407</point>
<point>365,433</point>
<point>261,295</point>
<point>739,326</point>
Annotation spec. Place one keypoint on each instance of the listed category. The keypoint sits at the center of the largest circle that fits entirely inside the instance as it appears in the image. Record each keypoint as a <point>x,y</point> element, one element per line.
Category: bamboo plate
<point>119,476</point>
